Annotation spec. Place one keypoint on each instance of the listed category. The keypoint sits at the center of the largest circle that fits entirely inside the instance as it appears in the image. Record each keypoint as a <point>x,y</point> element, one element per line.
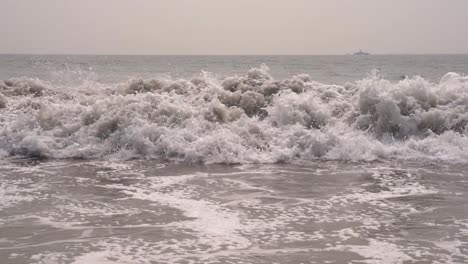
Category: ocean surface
<point>233,159</point>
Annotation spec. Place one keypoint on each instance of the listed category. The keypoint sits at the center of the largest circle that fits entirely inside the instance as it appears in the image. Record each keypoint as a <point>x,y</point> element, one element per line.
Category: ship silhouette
<point>360,53</point>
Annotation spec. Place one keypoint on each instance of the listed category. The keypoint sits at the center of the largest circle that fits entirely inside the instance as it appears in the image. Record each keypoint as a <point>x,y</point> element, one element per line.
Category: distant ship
<point>360,53</point>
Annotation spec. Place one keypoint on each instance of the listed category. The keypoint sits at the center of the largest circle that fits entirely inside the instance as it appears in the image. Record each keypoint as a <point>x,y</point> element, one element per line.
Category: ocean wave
<point>240,119</point>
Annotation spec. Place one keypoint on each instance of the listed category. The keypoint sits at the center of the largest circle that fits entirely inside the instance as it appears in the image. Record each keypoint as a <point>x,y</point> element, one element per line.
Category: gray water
<point>153,212</point>
<point>334,69</point>
<point>145,159</point>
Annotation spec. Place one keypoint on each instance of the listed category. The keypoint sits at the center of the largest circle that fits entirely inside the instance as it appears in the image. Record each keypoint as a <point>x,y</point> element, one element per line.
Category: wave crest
<point>241,119</point>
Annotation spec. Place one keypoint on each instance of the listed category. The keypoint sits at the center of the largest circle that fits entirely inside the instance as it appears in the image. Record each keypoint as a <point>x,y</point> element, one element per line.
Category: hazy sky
<point>233,26</point>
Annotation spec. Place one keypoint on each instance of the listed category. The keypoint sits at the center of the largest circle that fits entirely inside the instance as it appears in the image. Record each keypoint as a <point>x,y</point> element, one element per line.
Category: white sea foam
<point>378,252</point>
<point>241,119</point>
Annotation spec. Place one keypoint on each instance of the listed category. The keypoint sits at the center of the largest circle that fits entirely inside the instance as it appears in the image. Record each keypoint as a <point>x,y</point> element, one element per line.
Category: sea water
<point>233,159</point>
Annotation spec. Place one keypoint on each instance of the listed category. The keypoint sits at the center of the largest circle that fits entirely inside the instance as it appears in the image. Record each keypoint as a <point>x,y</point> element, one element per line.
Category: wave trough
<point>240,119</point>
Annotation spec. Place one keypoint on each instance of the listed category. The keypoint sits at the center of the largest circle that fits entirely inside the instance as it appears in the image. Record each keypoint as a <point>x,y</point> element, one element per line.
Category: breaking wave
<point>240,119</point>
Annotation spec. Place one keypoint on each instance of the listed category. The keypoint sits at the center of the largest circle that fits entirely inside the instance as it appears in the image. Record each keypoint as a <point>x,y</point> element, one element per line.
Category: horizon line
<point>155,54</point>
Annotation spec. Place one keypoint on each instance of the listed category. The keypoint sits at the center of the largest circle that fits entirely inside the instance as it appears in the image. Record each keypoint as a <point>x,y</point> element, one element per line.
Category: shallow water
<point>151,212</point>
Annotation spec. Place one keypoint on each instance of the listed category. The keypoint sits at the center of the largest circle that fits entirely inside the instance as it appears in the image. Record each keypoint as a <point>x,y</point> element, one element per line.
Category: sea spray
<point>239,119</point>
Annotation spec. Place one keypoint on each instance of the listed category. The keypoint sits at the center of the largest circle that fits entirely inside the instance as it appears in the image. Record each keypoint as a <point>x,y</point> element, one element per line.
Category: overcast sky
<point>233,26</point>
